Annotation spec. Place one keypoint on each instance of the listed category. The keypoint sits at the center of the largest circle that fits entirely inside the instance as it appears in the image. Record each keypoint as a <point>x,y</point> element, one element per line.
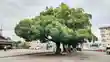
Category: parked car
<point>108,50</point>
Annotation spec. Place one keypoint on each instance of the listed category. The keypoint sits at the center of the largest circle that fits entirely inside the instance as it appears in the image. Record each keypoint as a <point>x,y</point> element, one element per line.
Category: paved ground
<point>85,56</point>
<point>19,52</point>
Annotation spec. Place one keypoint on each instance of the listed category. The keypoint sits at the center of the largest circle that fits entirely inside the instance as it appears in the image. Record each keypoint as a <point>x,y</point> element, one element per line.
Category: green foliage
<point>25,29</point>
<point>84,33</point>
<point>62,23</point>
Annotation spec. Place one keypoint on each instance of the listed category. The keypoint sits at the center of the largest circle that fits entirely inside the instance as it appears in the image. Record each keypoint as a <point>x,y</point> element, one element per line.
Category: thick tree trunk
<point>74,48</point>
<point>69,48</point>
<point>64,49</point>
<point>58,49</point>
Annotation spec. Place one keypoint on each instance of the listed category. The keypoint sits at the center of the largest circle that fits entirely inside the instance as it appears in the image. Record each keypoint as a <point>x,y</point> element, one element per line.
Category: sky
<point>12,11</point>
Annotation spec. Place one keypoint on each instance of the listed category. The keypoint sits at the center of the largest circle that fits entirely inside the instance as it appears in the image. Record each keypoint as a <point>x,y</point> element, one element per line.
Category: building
<point>48,46</point>
<point>105,34</point>
<point>4,41</point>
<point>37,45</point>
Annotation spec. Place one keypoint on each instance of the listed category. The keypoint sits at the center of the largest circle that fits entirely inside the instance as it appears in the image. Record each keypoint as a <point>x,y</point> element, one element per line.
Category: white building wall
<point>43,46</point>
<point>105,35</point>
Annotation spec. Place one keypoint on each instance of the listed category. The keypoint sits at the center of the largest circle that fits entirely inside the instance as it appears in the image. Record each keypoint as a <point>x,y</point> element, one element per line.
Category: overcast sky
<point>12,11</point>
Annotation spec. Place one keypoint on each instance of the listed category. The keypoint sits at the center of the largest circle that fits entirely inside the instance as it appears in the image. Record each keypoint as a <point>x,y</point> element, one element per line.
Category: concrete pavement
<point>84,56</point>
<point>20,52</point>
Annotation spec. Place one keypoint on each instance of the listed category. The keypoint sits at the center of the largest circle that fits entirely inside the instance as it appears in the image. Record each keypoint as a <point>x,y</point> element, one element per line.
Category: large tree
<point>74,18</point>
<point>64,24</point>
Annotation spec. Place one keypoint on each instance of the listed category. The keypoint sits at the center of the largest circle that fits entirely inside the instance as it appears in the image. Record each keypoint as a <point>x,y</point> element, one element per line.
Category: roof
<point>1,37</point>
<point>104,27</point>
<point>3,42</point>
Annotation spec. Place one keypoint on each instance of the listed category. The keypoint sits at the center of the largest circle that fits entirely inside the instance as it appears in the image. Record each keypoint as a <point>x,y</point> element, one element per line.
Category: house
<point>5,42</point>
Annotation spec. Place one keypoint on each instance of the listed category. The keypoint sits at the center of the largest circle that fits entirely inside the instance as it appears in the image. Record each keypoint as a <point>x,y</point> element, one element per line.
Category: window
<point>103,40</point>
<point>106,28</point>
<point>103,35</point>
<point>102,31</point>
<point>108,38</point>
<point>108,48</point>
<point>94,45</point>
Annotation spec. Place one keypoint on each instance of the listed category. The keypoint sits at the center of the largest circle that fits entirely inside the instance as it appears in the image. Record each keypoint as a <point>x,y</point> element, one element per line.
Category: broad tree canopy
<point>63,24</point>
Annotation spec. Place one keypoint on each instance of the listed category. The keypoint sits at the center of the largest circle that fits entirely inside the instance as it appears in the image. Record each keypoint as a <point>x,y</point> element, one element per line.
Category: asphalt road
<point>85,56</point>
